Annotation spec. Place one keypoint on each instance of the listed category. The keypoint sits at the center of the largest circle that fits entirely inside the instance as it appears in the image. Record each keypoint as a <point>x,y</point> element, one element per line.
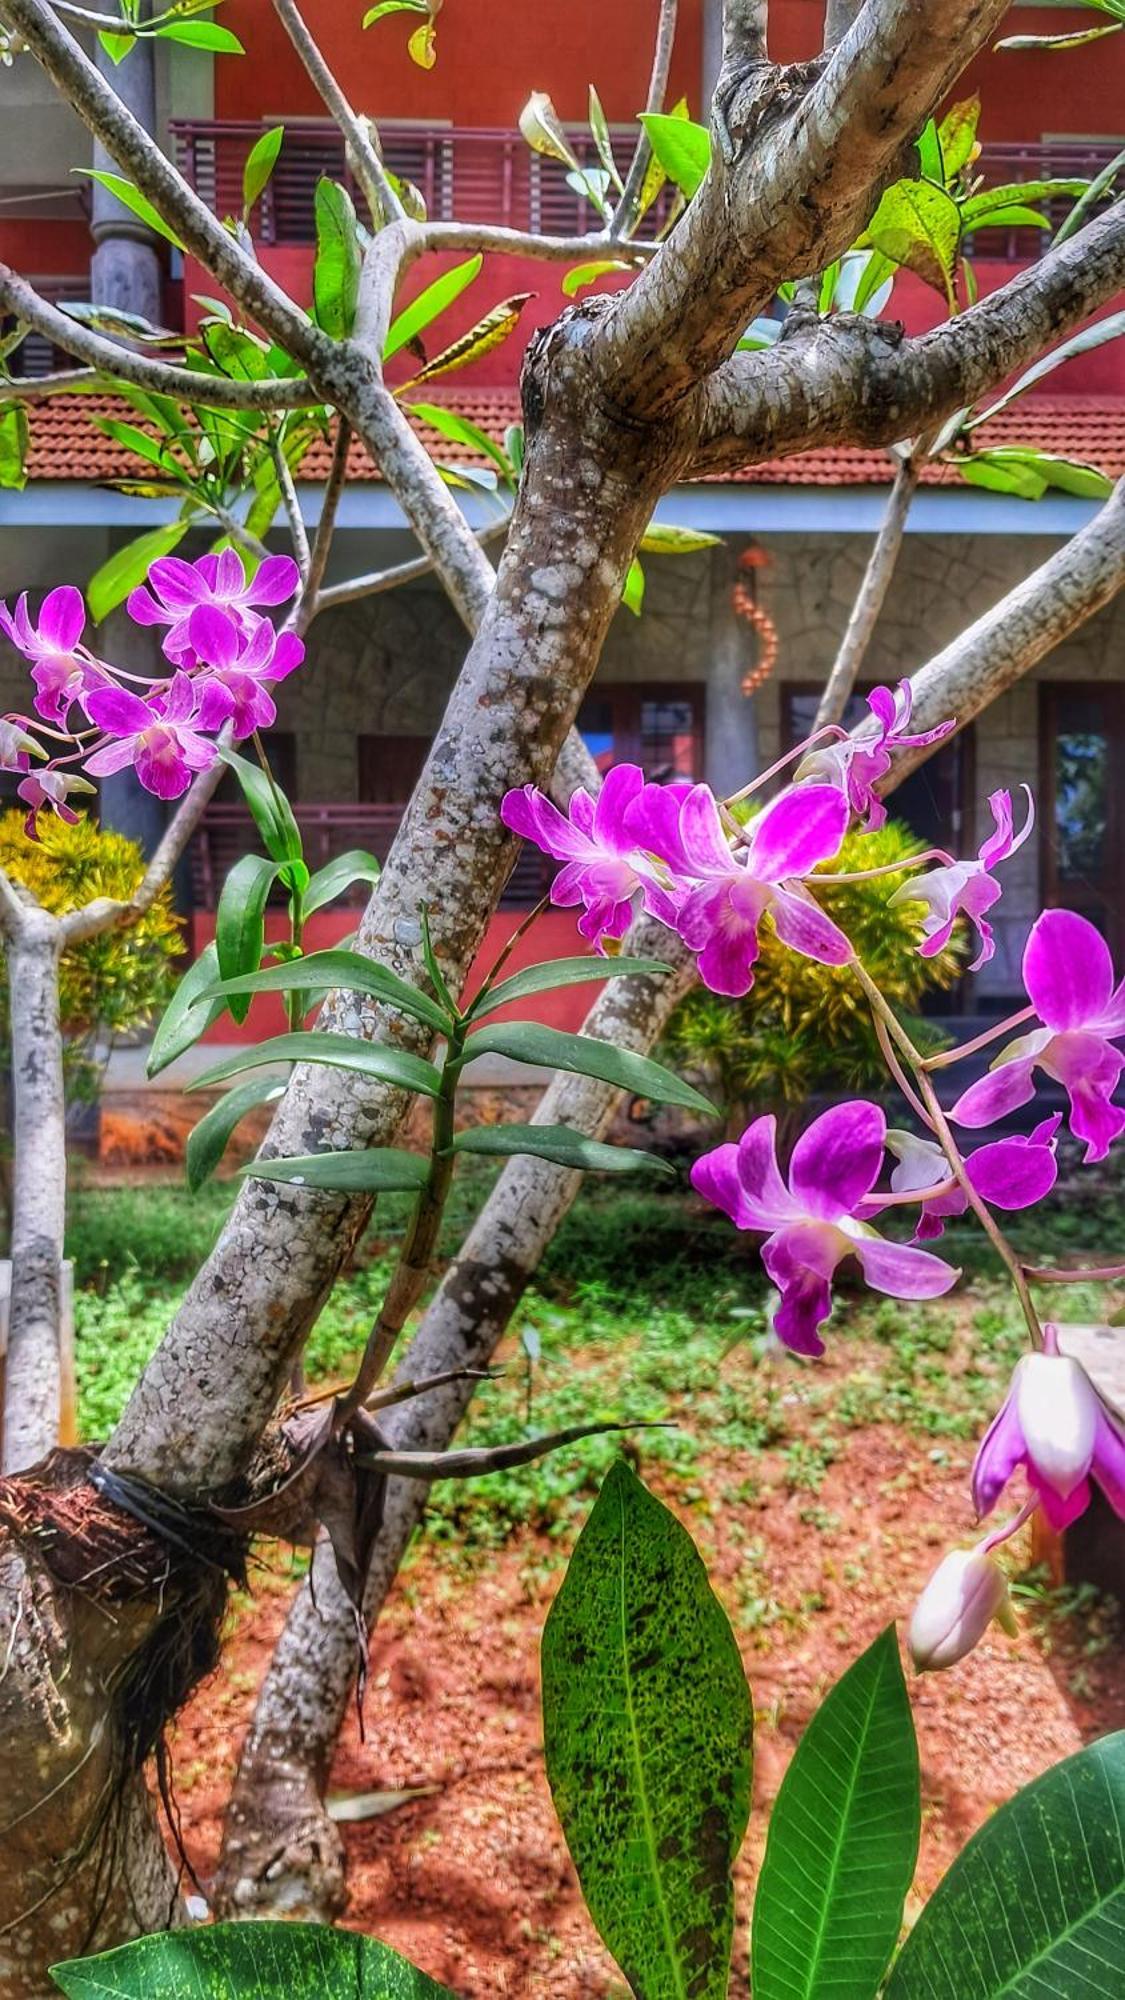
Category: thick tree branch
<point>106,358</point>
<point>799,156</point>
<point>376,582</point>
<point>32,1370</point>
<point>105,914</point>
<point>849,380</point>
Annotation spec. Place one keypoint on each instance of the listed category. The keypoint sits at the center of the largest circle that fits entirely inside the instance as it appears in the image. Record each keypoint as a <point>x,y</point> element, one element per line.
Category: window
<point>388,768</point>
<point>659,728</point>
<point>1081,822</point>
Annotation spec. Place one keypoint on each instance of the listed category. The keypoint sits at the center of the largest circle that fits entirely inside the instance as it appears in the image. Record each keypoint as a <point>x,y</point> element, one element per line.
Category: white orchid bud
<point>1057,1407</point>
<point>965,1593</point>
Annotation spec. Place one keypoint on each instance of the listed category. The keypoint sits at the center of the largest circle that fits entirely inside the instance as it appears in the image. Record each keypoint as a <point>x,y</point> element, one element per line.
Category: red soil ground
<point>473,1882</point>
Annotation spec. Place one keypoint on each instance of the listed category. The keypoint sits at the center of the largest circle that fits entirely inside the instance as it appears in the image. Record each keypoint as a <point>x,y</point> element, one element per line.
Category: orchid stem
<point>888,867</point>
<point>790,757</point>
<point>963,1049</point>
<point>1102,1274</point>
<point>939,1124</point>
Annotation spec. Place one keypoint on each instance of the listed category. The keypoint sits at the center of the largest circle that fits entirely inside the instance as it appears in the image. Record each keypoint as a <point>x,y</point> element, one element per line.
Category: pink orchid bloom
<point>729,890</point>
<point>16,746</point>
<point>60,667</point>
<point>179,588</point>
<point>966,887</point>
<point>235,665</point>
<point>812,1223</point>
<point>1068,973</point>
<point>604,867</point>
<point>1008,1173</point>
<point>52,788</point>
<point>160,743</point>
<point>856,763</point>
<point>1054,1424</point>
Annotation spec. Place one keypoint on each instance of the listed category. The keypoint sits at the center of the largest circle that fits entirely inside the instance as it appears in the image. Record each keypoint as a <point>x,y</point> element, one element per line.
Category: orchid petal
<point>623,783</point>
<point>705,845</point>
<point>1067,970</point>
<point>837,1158</point>
<point>113,708</point>
<point>275,579</point>
<point>902,1271</point>
<point>62,617</point>
<point>1109,1461</point>
<point>1000,1451</point>
<point>1012,1173</point>
<point>802,828</point>
<point>527,812</point>
<point>1003,1089</point>
<point>715,1176</point>
<point>800,1259</point>
<point>802,925</point>
<point>766,1201</point>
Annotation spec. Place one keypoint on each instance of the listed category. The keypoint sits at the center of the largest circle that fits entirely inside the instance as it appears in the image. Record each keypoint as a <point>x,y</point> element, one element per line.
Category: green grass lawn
<point>648,1309</point>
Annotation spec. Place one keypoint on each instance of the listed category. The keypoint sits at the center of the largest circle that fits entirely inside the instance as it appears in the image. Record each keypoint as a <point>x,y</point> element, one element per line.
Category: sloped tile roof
<point>67,444</point>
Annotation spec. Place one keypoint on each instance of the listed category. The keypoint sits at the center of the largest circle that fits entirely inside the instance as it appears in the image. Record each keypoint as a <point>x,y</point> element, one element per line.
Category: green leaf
<point>126,568</point>
<point>957,138</point>
<point>878,271</point>
<point>1035,1905</point>
<point>137,441</point>
<point>983,469</point>
<point>338,261</point>
<point>682,148</point>
<point>260,163</point>
<point>375,1059</point>
<point>374,14</point>
<point>1022,470</point>
<point>918,226</point>
<point>460,431</point>
<point>488,333</point>
<point>600,133</point>
<point>236,352</point>
<point>429,303</point>
<point>930,162</point>
<point>1090,337</point>
<point>187,1014</point>
<point>131,198</point>
<point>240,921</point>
<point>585,1055</point>
<point>338,875</point>
<point>1014,217</point>
<point>1071,41</point>
<point>270,809</point>
<point>985,209</point>
<point>546,978</point>
<point>540,126</point>
<point>633,590</point>
<point>201,35</point>
<point>648,1728</point>
<point>843,1841</point>
<point>350,972</point>
<point>661,539</point>
<point>588,274</point>
<point>14,441</point>
<point>207,1141</point>
<point>562,1145</point>
<point>126,325</point>
<point>116,47</point>
<point>271,1961</point>
<point>382,1170</point>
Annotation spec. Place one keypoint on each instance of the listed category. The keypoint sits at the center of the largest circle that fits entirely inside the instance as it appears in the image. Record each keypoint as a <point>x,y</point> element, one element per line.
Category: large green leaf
<point>337,875</point>
<point>377,1170</point>
<point>561,1144</point>
<point>1103,330</point>
<point>266,1961</point>
<point>131,198</point>
<point>682,148</point>
<point>201,35</point>
<point>555,972</point>
<point>126,568</point>
<point>260,163</point>
<point>347,969</point>
<point>187,1014</point>
<point>240,922</point>
<point>957,136</point>
<point>270,809</point>
<point>843,1841</point>
<point>13,447</point>
<point>207,1141</point>
<point>338,260</point>
<point>1034,1909</point>
<point>414,318</point>
<point>585,1055</point>
<point>648,1727</point>
<point>918,225</point>
<point>375,1059</point>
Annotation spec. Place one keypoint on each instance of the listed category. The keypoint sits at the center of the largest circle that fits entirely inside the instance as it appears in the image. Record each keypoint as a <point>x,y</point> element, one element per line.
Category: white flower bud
<point>965,1593</point>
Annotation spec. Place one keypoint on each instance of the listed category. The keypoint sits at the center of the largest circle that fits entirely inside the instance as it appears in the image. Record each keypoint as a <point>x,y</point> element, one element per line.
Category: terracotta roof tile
<point>66,443</point>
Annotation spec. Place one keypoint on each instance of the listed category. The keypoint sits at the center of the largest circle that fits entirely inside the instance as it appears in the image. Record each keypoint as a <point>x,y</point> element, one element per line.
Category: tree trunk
<point>32,1372</point>
<point>281,1854</point>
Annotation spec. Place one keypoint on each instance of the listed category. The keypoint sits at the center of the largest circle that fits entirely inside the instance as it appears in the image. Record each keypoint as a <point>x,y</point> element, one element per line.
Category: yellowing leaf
<point>539,123</point>
<point>480,339</point>
<point>918,226</point>
<point>422,46</point>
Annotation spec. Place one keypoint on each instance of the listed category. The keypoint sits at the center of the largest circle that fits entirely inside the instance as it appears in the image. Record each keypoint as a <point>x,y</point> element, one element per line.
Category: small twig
<point>379,194</point>
<point>624,215</point>
<point>308,604</point>
<point>377,581</point>
<point>297,531</point>
<point>873,589</point>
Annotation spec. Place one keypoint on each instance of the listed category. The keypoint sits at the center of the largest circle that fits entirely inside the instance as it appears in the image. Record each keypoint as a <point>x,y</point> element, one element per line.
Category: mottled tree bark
<point>32,1370</point>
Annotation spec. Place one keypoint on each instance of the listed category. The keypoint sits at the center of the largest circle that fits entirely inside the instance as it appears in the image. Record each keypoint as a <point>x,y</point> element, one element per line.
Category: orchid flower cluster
<point>223,658</point>
<point>711,874</point>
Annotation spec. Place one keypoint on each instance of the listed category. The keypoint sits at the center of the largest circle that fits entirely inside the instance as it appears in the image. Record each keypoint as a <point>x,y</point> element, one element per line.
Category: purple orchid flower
<point>160,743</point>
<point>52,788</point>
<point>604,866</point>
<point>966,887</point>
<point>17,748</point>
<point>1068,973</point>
<point>1009,1173</point>
<point>814,1222</point>
<point>60,667</point>
<point>1054,1424</point>
<point>730,890</point>
<point>179,588</point>
<point>855,763</point>
<point>236,667</point>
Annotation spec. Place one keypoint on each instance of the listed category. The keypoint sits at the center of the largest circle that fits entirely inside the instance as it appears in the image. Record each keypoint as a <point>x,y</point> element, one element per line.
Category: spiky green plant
<point>806,1027</point>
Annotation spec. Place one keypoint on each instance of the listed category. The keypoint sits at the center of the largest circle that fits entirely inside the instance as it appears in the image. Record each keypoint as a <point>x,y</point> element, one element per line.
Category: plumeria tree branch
<point>625,214</point>
<point>382,199</point>
<point>851,380</point>
<point>109,362</point>
<point>872,592</point>
<point>376,582</point>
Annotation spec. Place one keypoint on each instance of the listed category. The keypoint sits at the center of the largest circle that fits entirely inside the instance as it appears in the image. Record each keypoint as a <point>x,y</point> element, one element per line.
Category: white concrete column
<point>125,270</point>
